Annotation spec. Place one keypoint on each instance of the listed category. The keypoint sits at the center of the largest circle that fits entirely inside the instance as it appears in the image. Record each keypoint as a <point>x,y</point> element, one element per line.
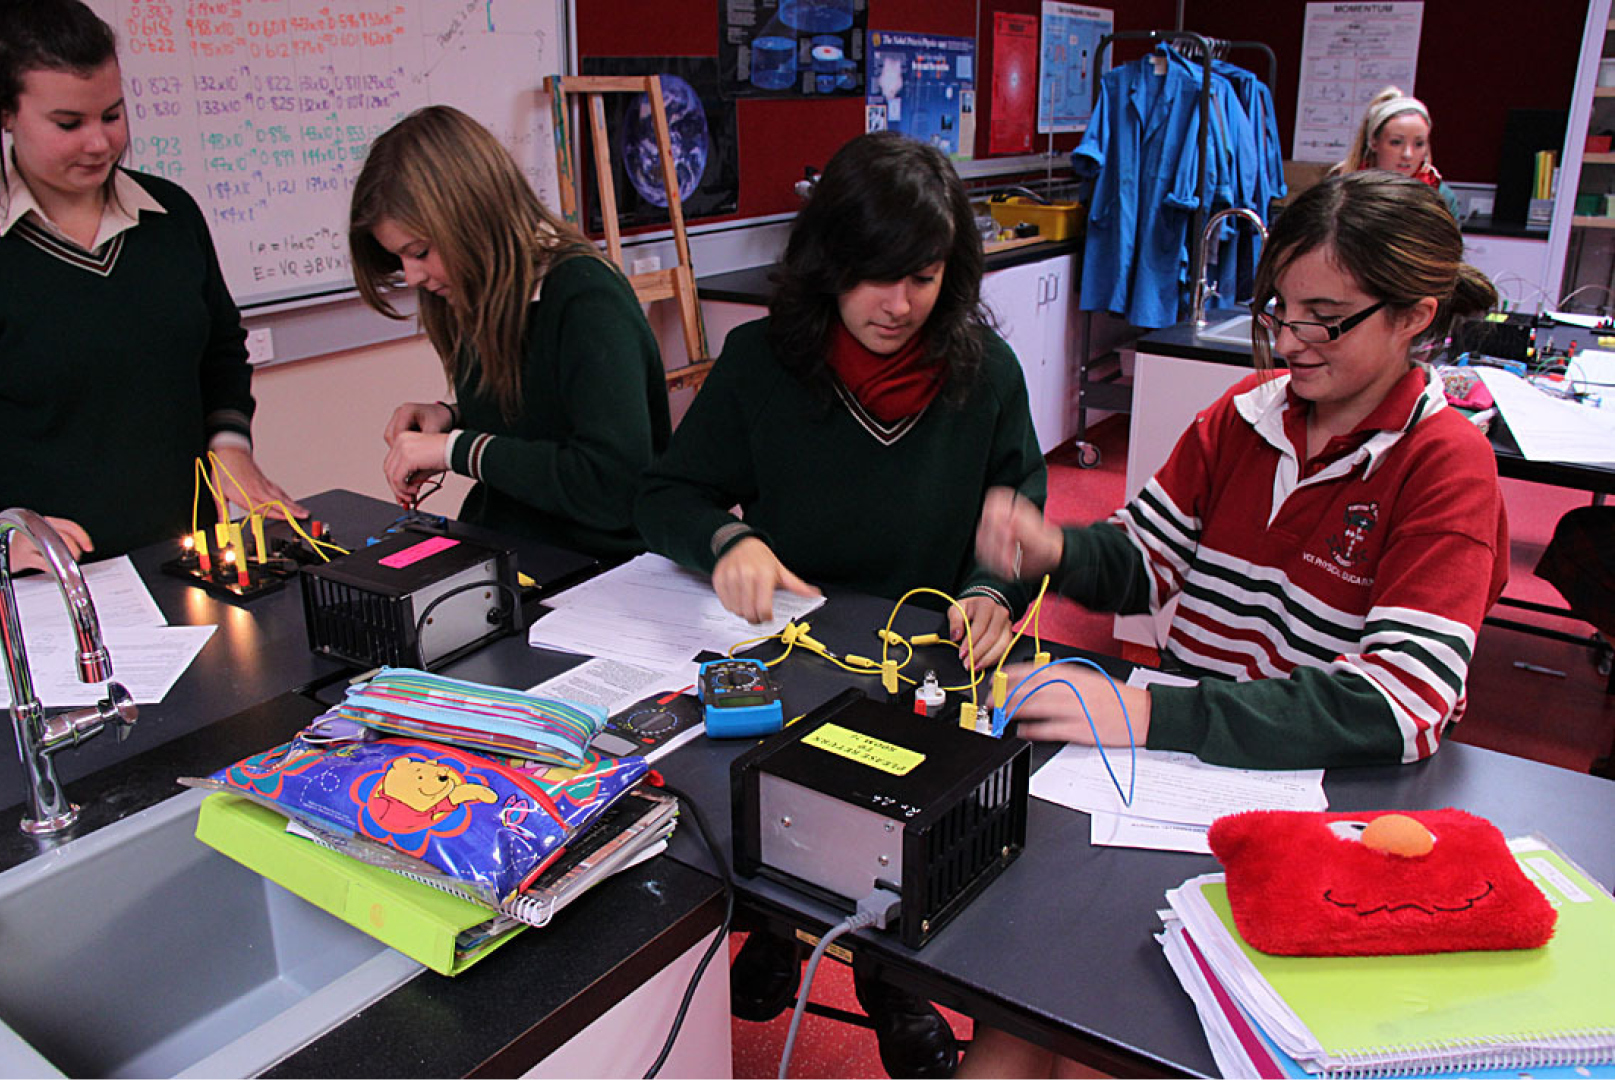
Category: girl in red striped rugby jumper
<point>1334,532</point>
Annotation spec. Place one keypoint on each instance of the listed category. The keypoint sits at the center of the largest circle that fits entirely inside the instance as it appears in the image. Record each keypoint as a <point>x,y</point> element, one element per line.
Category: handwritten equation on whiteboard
<point>264,109</point>
<point>1350,52</point>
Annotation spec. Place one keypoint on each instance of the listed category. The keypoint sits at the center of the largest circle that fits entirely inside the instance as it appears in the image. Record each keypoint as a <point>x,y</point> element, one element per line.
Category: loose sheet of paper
<point>1177,797</point>
<point>652,613</point>
<point>120,596</point>
<point>147,661</point>
<point>614,684</point>
<point>1548,428</point>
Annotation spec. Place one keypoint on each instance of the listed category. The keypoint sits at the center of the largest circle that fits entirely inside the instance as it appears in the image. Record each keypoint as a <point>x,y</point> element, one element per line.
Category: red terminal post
<point>235,567</point>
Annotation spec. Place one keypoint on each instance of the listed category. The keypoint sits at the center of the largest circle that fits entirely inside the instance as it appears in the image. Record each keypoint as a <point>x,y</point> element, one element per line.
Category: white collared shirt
<point>119,213</point>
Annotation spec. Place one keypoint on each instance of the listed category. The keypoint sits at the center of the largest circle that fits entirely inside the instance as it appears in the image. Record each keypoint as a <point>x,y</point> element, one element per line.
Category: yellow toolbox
<point>1056,221</point>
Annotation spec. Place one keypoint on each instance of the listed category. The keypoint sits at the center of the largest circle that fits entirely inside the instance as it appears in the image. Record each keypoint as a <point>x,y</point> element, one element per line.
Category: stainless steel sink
<point>1233,331</point>
<point>140,951</point>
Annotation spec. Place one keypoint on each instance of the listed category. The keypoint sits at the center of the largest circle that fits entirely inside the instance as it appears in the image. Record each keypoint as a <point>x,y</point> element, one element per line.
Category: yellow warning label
<point>892,759</point>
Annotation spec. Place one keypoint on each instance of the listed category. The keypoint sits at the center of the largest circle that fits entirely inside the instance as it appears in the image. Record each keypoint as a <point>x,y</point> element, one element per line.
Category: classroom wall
<point>319,422</point>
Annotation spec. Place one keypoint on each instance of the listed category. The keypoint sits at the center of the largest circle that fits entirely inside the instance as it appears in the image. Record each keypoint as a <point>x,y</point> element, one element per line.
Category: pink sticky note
<point>417,552</point>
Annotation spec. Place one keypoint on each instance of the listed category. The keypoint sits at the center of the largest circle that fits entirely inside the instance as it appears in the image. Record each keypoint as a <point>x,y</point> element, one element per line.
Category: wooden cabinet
<point>1034,305</point>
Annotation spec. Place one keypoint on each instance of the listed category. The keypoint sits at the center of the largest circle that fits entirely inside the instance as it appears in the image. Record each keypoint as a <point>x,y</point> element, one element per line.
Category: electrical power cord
<point>724,870</point>
<point>877,909</point>
<point>497,614</point>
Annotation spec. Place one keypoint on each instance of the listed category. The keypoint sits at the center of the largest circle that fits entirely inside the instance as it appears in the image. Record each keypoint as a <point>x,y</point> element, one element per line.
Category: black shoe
<point>913,1038</point>
<point>764,977</point>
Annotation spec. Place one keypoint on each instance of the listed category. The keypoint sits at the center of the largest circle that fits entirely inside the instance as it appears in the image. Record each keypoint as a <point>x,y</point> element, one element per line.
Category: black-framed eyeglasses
<point>1315,333</point>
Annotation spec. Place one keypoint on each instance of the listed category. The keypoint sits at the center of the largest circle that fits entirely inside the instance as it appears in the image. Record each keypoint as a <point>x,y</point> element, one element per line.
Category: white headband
<point>1378,114</point>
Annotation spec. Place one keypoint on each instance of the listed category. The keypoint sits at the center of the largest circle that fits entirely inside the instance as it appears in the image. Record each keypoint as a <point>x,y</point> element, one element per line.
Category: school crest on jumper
<point>1360,519</point>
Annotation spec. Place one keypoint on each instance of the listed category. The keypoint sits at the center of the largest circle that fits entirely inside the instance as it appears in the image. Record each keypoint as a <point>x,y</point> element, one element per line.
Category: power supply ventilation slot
<point>969,837</point>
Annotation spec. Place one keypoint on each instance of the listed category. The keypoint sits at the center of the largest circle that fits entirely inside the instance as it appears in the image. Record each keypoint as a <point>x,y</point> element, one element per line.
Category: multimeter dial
<point>739,699</point>
<point>652,719</point>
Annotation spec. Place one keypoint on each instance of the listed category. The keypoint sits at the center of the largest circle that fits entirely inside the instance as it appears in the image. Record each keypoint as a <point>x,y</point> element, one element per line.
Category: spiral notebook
<point>1377,1015</point>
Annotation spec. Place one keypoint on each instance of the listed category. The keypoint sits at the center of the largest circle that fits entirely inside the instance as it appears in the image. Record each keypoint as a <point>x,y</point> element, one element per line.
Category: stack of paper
<point>651,612</point>
<point>1543,1011</point>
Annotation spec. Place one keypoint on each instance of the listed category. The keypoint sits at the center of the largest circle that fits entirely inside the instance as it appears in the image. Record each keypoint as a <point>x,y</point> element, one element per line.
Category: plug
<point>925,639</point>
<point>891,676</point>
<point>998,689</point>
<point>864,662</point>
<point>878,908</point>
<point>1042,659</point>
<point>968,716</point>
<point>889,637</point>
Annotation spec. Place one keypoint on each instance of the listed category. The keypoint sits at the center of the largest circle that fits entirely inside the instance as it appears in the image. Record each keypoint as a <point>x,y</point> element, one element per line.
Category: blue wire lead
<point>1007,718</point>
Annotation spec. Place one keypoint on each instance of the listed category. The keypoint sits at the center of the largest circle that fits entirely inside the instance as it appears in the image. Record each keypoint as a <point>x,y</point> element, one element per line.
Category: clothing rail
<point>1207,49</point>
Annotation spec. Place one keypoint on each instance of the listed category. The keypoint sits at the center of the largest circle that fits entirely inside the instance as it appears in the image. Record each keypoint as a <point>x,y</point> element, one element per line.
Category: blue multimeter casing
<point>739,700</point>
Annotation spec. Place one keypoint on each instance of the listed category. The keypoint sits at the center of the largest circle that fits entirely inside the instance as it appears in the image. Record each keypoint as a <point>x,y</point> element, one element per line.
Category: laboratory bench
<point>1057,949</point>
<point>253,686</point>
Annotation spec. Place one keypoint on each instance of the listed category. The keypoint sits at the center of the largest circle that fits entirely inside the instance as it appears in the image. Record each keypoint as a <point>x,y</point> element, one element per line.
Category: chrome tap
<point>39,736</point>
<point>1204,289</point>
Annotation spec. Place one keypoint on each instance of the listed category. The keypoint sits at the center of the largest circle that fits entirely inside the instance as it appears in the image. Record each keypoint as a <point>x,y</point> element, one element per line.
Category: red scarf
<point>890,387</point>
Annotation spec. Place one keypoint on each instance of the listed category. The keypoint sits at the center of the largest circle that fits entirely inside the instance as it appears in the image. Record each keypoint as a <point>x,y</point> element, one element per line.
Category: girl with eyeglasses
<point>1333,531</point>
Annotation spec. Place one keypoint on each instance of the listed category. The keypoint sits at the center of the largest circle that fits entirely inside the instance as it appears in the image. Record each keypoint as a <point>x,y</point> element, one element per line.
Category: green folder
<point>1370,1004</point>
<point>417,919</point>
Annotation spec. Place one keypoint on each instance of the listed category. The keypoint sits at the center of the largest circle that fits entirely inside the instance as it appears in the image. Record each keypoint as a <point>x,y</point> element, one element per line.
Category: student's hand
<point>413,457</point>
<point>245,486</point>
<point>428,417</point>
<point>747,576</point>
<point>992,630</point>
<point>1051,714</point>
<point>1014,540</point>
<point>25,556</point>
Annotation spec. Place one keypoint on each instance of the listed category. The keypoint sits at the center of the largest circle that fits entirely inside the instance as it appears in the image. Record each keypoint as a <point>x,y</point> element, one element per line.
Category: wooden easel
<point>673,283</point>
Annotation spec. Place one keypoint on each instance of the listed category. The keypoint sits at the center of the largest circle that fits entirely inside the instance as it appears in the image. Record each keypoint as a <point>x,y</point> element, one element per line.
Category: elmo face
<point>1334,884</point>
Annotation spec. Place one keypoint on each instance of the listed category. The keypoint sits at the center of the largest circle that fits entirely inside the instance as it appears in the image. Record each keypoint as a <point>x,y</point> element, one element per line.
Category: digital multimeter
<point>739,699</point>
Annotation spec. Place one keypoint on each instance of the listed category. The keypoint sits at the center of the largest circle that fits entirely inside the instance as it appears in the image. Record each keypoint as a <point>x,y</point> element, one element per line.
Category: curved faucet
<point>1204,290</point>
<point>38,738</point>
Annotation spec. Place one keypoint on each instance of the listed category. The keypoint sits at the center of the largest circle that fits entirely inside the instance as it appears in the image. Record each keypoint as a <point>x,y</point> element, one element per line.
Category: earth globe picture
<point>688,138</point>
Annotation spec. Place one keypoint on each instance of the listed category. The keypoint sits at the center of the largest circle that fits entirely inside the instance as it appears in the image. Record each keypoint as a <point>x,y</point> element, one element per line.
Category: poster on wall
<point>792,48</point>
<point>1350,52</point>
<point>1012,91</point>
<point>922,85</point>
<point>702,135</point>
<point>1069,37</point>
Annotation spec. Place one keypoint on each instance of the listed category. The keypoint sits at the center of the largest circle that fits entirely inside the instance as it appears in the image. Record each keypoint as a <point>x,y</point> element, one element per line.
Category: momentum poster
<point>1069,37</point>
<point>922,85</point>
<point>792,48</point>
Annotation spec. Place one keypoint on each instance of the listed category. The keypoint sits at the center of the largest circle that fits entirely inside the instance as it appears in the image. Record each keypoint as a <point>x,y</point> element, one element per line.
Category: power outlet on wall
<point>261,349</point>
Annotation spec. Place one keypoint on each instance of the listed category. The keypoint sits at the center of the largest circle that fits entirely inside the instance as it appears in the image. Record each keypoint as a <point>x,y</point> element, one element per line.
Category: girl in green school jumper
<point>856,429</point>
<point>559,389</point>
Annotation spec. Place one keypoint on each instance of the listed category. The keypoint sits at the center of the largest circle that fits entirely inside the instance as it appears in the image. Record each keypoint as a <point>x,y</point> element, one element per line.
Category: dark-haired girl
<point>858,426</point>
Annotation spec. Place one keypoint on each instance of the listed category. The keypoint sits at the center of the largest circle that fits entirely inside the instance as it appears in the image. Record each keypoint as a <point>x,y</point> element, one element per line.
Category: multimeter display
<point>739,699</point>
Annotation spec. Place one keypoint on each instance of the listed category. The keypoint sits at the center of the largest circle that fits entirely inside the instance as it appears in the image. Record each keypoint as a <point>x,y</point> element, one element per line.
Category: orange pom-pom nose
<point>1397,834</point>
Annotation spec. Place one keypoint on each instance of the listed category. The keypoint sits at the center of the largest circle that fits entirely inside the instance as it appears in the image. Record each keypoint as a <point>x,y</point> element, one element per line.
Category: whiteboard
<point>263,110</point>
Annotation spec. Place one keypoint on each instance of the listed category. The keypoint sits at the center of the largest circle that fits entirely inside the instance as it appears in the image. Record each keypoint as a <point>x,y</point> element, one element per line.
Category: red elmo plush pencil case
<point>1374,884</point>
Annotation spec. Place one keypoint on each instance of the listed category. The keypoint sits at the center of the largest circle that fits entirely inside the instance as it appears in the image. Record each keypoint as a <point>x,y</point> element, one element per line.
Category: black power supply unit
<point>861,794</point>
<point>414,599</point>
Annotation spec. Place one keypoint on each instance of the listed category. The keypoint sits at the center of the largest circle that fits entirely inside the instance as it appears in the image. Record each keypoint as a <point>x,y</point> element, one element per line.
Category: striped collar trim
<point>21,213</point>
<point>887,434</point>
<point>100,262</point>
